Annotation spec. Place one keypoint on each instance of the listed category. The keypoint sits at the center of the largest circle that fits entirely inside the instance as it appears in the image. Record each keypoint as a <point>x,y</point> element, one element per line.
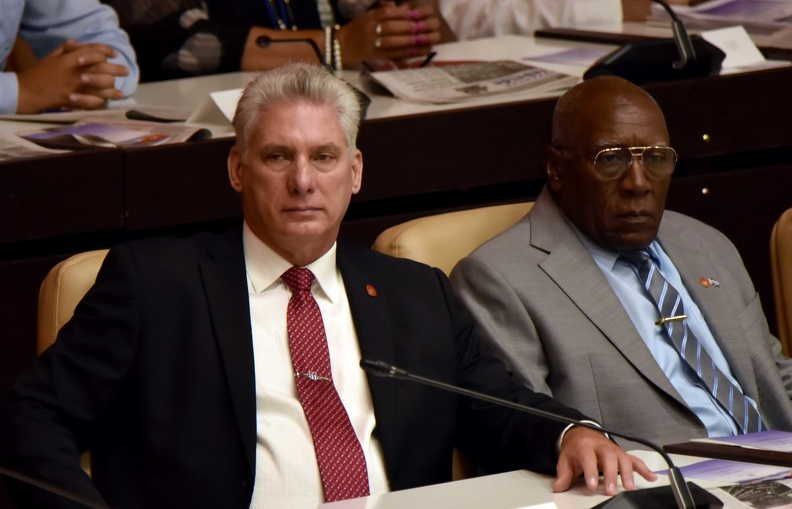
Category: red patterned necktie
<point>342,465</point>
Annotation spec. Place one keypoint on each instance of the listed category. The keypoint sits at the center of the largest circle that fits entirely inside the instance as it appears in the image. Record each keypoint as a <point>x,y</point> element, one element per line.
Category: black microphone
<point>51,488</point>
<point>681,38</point>
<point>661,59</point>
<point>686,495</point>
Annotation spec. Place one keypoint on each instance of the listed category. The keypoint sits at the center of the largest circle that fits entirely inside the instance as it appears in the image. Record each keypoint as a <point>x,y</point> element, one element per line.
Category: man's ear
<point>234,163</point>
<point>357,171</point>
<point>554,166</point>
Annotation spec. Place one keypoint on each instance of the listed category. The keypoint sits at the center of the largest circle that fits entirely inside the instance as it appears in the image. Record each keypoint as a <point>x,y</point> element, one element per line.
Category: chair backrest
<point>65,285</point>
<point>444,239</point>
<point>441,241</point>
<point>781,265</point>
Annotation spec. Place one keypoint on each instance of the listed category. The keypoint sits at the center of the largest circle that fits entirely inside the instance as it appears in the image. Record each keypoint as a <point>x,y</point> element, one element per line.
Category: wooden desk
<point>417,163</point>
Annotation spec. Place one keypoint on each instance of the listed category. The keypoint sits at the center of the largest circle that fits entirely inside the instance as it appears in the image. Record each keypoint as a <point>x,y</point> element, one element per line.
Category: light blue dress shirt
<point>45,24</point>
<point>643,313</point>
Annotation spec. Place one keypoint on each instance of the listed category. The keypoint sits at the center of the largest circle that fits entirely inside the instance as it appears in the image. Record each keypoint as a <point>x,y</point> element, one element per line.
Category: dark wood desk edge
<point>729,452</point>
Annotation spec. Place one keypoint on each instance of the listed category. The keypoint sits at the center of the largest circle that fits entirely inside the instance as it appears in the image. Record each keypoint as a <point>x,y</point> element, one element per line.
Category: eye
<point>609,158</point>
<point>325,159</point>
<point>275,157</point>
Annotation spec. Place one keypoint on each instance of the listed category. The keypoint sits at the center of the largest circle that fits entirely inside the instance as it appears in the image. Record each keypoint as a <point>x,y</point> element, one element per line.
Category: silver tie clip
<point>312,376</point>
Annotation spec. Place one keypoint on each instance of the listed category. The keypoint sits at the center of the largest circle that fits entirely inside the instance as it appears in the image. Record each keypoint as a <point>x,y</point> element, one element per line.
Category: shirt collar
<point>608,257</point>
<point>264,266</point>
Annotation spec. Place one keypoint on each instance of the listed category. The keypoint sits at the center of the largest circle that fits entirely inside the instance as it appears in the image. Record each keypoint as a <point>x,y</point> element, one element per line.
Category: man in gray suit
<point>643,319</point>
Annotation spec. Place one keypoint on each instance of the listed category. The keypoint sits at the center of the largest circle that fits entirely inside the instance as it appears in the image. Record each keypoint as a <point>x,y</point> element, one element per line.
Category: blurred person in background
<point>177,38</point>
<point>471,19</point>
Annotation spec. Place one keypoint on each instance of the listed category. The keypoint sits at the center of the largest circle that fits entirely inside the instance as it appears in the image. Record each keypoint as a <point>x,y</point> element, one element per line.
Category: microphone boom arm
<point>679,487</point>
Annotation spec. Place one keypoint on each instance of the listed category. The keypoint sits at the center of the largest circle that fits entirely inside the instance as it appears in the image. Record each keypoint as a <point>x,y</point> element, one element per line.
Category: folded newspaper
<point>452,83</point>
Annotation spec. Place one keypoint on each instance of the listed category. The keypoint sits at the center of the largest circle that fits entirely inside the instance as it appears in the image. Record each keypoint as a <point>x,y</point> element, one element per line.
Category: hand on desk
<point>74,75</point>
<point>588,452</point>
<point>390,31</point>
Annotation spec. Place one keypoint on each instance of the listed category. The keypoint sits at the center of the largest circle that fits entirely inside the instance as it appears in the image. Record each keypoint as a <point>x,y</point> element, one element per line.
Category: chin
<point>632,242</point>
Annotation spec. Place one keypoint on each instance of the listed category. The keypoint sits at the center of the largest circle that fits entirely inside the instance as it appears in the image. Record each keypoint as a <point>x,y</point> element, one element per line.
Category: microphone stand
<point>681,38</point>
<point>680,489</point>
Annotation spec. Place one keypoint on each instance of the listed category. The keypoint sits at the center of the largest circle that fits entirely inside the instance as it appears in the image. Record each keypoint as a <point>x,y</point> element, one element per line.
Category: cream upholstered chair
<point>441,241</point>
<point>65,285</point>
<point>62,288</point>
<point>444,239</point>
<point>781,265</point>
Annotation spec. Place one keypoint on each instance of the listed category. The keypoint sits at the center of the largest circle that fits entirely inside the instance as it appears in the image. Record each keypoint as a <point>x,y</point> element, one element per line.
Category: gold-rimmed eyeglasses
<point>657,160</point>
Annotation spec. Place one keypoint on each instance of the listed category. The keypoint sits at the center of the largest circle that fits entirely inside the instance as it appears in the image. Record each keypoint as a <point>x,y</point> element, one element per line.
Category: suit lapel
<point>223,272</point>
<point>572,268</point>
<point>368,304</point>
<point>693,262</point>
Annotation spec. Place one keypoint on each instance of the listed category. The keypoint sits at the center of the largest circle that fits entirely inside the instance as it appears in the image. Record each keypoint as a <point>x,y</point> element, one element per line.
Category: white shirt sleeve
<point>470,19</point>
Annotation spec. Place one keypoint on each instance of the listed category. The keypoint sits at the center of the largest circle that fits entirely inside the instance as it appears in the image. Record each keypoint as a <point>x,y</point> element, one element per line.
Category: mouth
<point>302,210</point>
<point>636,217</point>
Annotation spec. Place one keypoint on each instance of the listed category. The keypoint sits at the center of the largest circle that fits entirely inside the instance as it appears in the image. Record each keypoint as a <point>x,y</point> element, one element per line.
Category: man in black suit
<point>221,370</point>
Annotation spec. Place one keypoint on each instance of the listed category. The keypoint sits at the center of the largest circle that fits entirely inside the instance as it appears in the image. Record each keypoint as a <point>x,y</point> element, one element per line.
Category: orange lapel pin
<point>371,290</point>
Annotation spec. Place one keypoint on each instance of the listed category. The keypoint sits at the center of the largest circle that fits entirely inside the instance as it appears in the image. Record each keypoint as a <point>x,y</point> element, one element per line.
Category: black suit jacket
<point>155,375</point>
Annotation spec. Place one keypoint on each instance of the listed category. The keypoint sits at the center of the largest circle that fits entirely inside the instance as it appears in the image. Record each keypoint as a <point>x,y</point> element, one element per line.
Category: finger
<point>609,463</point>
<point>105,93</point>
<point>407,41</point>
<point>588,464</point>
<point>107,68</point>
<point>640,467</point>
<point>626,472</point>
<point>403,11</point>
<point>91,80</point>
<point>85,57</point>
<point>396,27</point>
<point>86,101</point>
<point>564,474</point>
<point>72,45</point>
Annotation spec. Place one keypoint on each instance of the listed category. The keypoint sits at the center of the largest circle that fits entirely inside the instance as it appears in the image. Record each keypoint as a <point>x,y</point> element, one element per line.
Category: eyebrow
<point>274,147</point>
<point>328,147</point>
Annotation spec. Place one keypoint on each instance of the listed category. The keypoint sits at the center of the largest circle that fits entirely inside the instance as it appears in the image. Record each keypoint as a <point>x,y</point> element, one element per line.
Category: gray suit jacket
<point>545,304</point>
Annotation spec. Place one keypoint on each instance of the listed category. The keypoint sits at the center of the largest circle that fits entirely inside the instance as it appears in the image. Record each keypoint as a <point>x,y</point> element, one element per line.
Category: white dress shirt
<point>471,19</point>
<point>287,475</point>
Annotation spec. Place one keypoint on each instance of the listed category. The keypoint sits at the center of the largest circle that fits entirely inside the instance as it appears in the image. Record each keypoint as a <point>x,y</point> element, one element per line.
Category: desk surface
<point>187,94</point>
<point>510,490</point>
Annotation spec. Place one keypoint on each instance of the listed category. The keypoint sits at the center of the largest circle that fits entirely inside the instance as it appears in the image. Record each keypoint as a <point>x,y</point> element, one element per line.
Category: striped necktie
<point>673,320</point>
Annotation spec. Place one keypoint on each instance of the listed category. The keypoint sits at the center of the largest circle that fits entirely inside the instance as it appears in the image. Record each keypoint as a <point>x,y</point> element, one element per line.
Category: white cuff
<point>570,426</point>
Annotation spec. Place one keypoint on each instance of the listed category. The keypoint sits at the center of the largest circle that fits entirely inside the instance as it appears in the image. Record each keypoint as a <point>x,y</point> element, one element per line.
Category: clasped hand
<point>74,75</point>
<point>390,32</point>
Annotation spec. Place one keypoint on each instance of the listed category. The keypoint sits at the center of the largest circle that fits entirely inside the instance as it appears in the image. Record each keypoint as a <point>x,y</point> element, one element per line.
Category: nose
<point>301,178</point>
<point>634,180</point>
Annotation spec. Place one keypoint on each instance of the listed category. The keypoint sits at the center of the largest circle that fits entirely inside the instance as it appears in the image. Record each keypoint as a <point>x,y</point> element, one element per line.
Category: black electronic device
<point>682,57</point>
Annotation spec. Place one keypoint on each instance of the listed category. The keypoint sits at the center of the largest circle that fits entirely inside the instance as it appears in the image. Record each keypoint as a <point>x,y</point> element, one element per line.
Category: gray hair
<point>295,82</point>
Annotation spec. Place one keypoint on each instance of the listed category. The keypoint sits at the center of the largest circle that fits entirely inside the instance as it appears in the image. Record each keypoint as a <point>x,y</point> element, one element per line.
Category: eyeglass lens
<point>657,161</point>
